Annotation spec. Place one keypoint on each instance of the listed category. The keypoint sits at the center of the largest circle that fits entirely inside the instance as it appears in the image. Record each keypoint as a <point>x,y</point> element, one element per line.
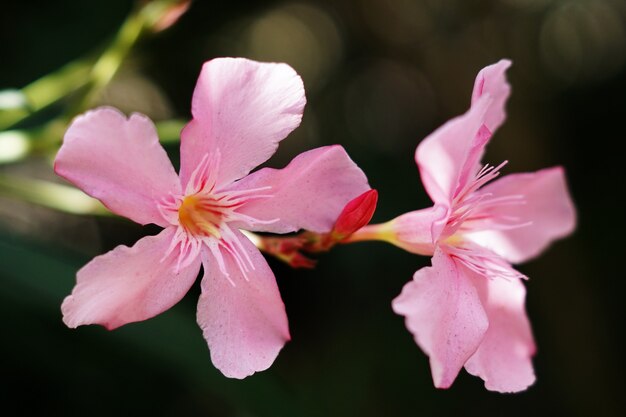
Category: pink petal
<point>449,156</point>
<point>548,213</point>
<point>418,231</point>
<point>129,284</point>
<point>242,109</point>
<point>503,359</point>
<point>119,161</point>
<point>309,193</point>
<point>445,316</point>
<point>244,322</point>
<point>491,80</point>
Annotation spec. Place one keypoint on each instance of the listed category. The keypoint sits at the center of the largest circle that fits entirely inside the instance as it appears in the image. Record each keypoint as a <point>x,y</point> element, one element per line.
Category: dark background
<point>380,75</point>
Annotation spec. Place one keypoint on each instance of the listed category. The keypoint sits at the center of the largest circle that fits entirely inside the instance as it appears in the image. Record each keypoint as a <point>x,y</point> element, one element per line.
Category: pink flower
<point>241,110</point>
<point>467,309</point>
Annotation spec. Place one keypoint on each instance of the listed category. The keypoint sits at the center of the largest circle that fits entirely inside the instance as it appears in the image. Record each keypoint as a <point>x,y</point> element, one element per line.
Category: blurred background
<point>380,75</point>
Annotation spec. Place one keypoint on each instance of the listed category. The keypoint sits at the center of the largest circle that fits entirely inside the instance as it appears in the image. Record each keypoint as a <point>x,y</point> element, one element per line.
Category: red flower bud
<point>298,260</point>
<point>356,214</point>
<point>168,13</point>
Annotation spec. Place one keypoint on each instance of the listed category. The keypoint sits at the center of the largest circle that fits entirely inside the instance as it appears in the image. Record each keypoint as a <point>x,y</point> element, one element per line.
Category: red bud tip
<point>356,214</point>
<point>171,15</point>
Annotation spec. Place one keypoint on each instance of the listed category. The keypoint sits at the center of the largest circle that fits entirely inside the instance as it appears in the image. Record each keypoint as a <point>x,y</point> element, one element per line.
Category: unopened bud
<point>164,13</point>
<point>356,214</point>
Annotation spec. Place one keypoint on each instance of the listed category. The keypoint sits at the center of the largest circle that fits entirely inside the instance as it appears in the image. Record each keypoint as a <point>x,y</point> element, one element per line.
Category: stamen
<point>251,221</point>
<point>237,193</point>
<point>472,210</point>
<point>193,252</point>
<point>184,245</point>
<point>192,184</point>
<point>168,208</point>
<point>483,262</point>
<point>234,241</point>
<point>203,217</point>
<point>237,258</point>
<point>486,216</point>
<point>213,169</point>
<point>217,254</point>
<point>204,177</point>
<point>487,173</point>
<point>179,235</point>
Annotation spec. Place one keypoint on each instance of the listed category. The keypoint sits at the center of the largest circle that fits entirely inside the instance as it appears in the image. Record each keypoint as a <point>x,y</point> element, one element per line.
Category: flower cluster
<point>466,310</point>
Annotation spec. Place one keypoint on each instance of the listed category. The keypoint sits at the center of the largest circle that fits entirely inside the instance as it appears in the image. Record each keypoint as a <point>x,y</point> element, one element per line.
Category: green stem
<point>47,90</point>
<point>89,72</point>
<point>44,140</point>
<point>112,58</point>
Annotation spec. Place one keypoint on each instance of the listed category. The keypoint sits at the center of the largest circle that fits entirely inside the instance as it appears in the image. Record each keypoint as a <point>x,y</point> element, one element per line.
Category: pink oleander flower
<point>467,309</point>
<point>241,110</point>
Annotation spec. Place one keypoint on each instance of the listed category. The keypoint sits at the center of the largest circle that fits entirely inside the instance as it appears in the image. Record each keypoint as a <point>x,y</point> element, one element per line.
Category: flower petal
<point>491,80</point>
<point>127,285</point>
<point>242,109</point>
<point>445,316</point>
<point>548,214</point>
<point>120,162</point>
<point>309,193</point>
<point>418,231</point>
<point>241,314</point>
<point>503,359</point>
<point>448,156</point>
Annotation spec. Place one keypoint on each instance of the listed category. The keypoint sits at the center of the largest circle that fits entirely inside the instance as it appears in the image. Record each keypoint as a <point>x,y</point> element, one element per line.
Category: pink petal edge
<point>442,156</point>
<point>309,193</point>
<point>127,285</point>
<point>120,162</point>
<point>241,109</point>
<point>491,80</point>
<point>503,359</point>
<point>449,157</point>
<point>443,312</point>
<point>548,210</point>
<point>245,324</point>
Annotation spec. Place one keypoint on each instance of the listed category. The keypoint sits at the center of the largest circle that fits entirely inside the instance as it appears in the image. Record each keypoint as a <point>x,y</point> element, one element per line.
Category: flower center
<point>453,240</point>
<point>202,215</point>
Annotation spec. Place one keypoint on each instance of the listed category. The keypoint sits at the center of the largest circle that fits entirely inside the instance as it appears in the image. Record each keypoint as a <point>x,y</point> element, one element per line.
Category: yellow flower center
<point>201,215</point>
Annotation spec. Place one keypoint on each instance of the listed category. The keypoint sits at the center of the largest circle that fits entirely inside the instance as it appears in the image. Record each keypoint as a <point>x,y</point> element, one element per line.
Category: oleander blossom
<point>467,309</point>
<point>241,110</point>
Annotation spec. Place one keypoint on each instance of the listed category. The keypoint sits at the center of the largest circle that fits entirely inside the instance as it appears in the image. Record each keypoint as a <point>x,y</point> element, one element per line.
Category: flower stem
<point>45,91</point>
<point>291,249</point>
<point>90,73</point>
<point>111,59</point>
<point>372,232</point>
